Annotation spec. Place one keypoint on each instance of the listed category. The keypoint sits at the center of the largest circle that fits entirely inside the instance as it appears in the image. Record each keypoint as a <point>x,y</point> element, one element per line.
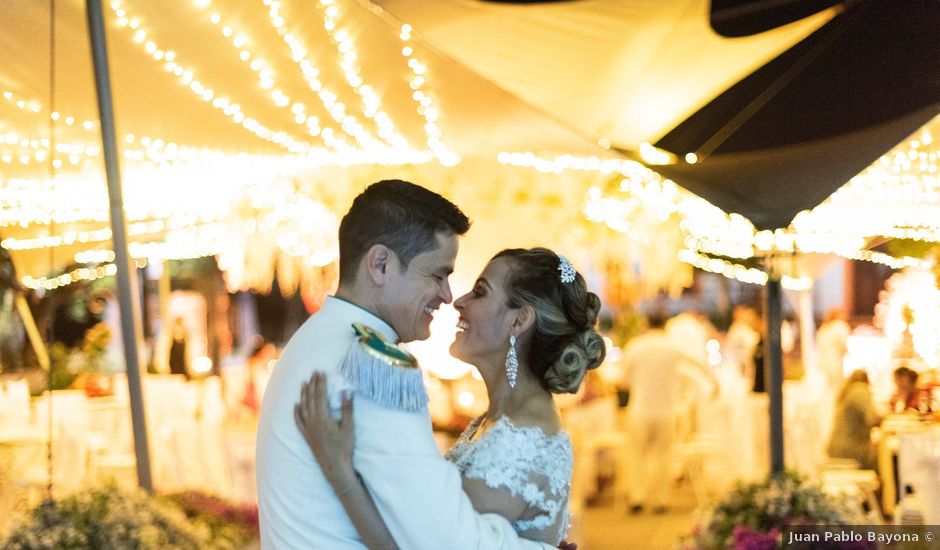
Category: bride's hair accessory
<point>567,270</point>
<point>383,371</point>
<point>512,362</point>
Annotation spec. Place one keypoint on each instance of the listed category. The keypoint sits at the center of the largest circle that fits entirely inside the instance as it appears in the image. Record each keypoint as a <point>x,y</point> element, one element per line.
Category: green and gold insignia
<point>384,371</point>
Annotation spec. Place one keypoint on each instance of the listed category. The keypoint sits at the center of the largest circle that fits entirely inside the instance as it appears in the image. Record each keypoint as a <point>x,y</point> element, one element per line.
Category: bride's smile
<point>485,319</point>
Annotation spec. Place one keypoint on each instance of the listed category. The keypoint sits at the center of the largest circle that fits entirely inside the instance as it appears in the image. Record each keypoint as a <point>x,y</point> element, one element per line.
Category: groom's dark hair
<point>400,215</point>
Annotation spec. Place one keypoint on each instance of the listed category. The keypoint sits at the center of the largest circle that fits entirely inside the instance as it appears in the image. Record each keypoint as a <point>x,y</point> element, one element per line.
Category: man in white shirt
<point>655,370</point>
<point>398,243</point>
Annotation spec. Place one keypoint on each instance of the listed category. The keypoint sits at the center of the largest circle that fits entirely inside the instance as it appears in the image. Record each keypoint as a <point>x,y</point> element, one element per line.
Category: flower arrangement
<point>94,347</point>
<point>237,524</point>
<point>107,517</point>
<point>752,516</point>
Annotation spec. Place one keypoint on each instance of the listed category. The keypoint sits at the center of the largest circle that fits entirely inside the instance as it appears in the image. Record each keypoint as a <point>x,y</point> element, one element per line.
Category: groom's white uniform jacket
<point>418,493</point>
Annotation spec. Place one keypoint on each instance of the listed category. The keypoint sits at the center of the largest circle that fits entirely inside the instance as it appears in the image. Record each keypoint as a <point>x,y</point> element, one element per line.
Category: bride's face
<point>485,320</point>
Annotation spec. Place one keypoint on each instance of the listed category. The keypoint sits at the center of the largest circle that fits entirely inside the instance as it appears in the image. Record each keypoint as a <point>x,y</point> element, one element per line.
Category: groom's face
<point>412,296</point>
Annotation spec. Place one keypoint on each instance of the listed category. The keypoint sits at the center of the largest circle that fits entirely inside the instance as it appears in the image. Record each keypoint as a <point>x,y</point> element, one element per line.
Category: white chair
<point>838,477</point>
<point>919,467</point>
<point>14,406</point>
<point>70,440</point>
<point>593,428</point>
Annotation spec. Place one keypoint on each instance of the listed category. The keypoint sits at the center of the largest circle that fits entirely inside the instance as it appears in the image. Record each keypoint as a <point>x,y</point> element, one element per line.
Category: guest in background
<point>654,372</point>
<point>855,416</point>
<point>179,355</point>
<point>743,337</point>
<point>262,354</point>
<point>831,341</point>
<point>691,331</point>
<point>906,395</point>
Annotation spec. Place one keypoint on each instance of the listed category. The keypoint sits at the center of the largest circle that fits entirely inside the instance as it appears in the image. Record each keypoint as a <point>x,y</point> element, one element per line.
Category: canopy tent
<point>816,100</point>
<point>621,73</point>
<point>217,107</point>
<point>336,83</point>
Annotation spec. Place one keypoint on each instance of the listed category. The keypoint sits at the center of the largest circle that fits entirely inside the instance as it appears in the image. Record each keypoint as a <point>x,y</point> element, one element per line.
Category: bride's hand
<point>330,440</point>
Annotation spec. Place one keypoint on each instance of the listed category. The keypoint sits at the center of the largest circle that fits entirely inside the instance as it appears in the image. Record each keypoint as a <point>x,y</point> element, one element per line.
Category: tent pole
<point>807,331</point>
<point>29,323</point>
<point>126,272</point>
<point>773,365</point>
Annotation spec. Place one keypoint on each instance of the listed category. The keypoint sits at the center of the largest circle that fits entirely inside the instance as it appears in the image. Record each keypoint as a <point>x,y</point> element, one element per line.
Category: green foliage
<point>110,518</point>
<point>230,525</point>
<point>765,508</point>
<point>627,323</point>
<point>107,518</point>
<point>93,347</point>
<point>64,366</point>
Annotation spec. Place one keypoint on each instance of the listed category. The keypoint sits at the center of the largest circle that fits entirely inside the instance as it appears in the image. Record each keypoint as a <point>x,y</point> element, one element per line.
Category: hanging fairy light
<point>74,276</point>
<point>239,41</point>
<point>371,102</point>
<point>739,272</point>
<point>20,103</point>
<point>425,103</point>
<point>897,197</point>
<point>336,109</point>
<point>187,76</point>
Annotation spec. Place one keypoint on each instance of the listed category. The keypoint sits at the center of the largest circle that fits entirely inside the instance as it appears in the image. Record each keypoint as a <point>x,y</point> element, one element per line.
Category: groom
<point>397,245</point>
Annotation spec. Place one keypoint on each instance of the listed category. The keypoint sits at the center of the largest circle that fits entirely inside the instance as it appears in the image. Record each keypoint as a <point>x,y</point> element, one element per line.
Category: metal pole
<point>773,365</point>
<point>126,272</point>
<point>807,332</point>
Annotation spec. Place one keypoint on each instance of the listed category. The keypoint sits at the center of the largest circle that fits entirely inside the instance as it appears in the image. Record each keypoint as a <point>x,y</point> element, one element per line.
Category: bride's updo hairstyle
<point>564,344</point>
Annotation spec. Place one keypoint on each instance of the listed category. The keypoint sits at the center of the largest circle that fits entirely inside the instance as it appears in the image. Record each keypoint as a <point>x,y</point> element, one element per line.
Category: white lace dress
<point>527,463</point>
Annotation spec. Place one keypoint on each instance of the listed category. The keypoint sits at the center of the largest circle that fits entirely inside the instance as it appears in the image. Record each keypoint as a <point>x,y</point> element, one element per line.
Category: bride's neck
<point>507,401</point>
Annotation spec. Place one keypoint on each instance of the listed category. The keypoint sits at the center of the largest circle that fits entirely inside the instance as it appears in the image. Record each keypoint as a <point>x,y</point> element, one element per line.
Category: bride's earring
<point>512,362</point>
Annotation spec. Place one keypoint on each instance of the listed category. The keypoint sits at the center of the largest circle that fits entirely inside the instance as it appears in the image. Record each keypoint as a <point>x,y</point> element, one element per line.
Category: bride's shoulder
<point>539,415</point>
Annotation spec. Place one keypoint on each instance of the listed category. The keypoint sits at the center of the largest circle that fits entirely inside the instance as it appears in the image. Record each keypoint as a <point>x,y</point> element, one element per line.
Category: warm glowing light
<point>653,155</point>
<point>201,365</point>
<point>911,303</point>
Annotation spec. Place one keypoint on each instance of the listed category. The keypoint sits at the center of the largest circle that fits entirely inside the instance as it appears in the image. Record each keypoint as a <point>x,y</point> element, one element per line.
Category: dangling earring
<point>512,362</point>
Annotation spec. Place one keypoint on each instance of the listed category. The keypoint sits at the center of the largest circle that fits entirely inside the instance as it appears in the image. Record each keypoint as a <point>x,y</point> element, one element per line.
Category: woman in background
<point>855,416</point>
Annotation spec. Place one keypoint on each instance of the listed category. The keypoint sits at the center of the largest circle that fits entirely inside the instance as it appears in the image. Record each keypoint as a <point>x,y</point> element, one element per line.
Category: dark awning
<point>787,136</point>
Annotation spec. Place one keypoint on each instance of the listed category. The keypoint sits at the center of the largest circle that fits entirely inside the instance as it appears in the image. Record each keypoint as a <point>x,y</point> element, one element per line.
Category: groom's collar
<point>348,312</point>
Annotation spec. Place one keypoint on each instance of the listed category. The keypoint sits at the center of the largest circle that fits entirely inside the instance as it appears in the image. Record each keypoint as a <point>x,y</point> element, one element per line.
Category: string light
<point>265,74</point>
<point>187,76</point>
<point>311,73</point>
<point>74,276</point>
<point>371,102</point>
<point>426,107</point>
<point>898,196</point>
<point>30,106</point>
<point>739,272</point>
<point>709,230</point>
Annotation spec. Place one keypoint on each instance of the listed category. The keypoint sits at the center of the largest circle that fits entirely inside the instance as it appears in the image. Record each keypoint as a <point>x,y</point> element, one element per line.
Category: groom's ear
<point>377,263</point>
<point>525,318</point>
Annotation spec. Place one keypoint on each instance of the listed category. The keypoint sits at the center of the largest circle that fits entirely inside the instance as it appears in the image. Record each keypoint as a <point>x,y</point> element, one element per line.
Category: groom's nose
<point>445,294</point>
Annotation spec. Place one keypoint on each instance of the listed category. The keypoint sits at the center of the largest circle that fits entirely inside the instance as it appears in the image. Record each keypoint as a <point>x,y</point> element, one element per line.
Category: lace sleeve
<point>529,465</point>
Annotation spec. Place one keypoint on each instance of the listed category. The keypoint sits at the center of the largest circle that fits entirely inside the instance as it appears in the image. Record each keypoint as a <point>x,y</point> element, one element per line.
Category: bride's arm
<point>332,444</point>
<point>489,500</point>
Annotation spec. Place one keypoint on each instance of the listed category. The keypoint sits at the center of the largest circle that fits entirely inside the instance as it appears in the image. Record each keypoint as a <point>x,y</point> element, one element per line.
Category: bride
<point>528,327</point>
